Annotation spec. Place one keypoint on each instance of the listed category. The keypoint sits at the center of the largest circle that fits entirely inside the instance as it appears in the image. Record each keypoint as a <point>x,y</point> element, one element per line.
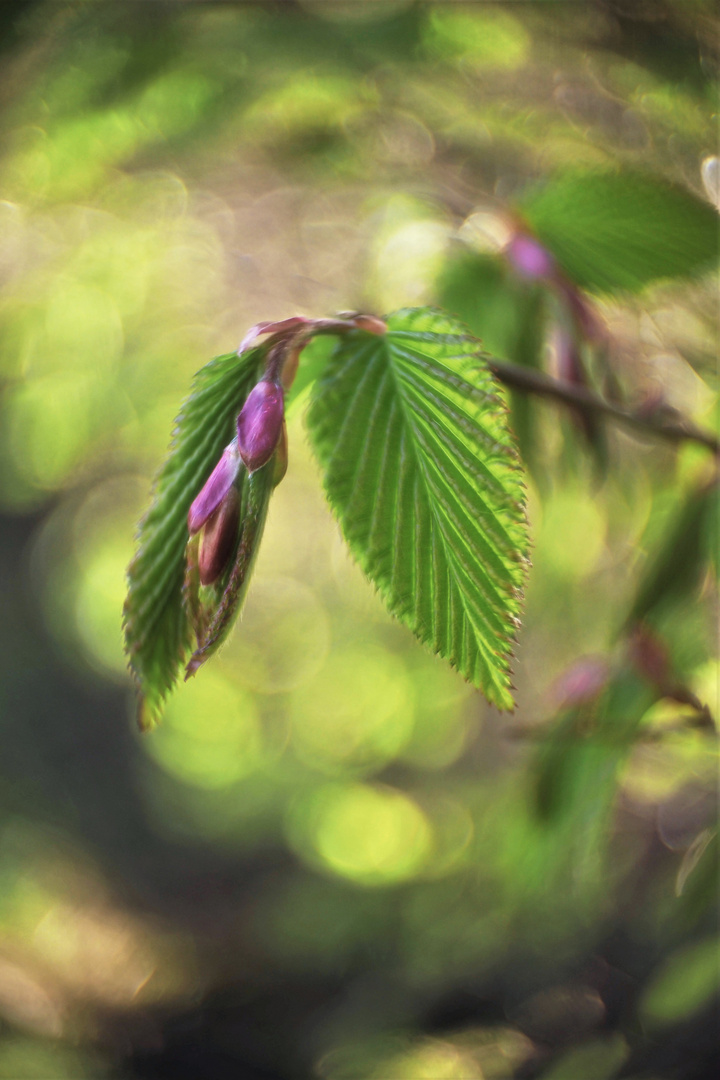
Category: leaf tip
<point>147,714</point>
<point>194,664</point>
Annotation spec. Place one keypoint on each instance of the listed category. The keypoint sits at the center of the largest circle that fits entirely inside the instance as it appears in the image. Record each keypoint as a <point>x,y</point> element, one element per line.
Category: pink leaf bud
<point>215,489</point>
<point>259,424</point>
<point>218,538</point>
<point>529,258</point>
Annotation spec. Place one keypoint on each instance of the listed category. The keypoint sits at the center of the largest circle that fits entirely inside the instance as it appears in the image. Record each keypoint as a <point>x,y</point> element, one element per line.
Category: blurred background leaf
<point>622,230</point>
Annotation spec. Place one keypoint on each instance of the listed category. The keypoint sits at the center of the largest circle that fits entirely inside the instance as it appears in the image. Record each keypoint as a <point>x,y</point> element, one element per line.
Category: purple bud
<point>216,487</point>
<point>529,257</point>
<point>218,538</point>
<point>259,424</point>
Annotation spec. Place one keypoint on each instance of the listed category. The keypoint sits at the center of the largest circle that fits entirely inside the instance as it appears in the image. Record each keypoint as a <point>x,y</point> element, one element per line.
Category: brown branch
<point>537,382</point>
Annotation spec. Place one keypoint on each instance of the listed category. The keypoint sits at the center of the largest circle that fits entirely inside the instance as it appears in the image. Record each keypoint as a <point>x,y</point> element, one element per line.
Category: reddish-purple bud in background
<point>581,683</point>
<point>567,358</point>
<point>215,489</point>
<point>218,538</point>
<point>530,258</point>
<point>259,424</point>
<point>650,656</point>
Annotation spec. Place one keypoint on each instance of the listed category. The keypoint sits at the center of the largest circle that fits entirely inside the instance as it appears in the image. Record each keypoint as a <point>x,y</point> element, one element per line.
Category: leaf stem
<point>537,382</point>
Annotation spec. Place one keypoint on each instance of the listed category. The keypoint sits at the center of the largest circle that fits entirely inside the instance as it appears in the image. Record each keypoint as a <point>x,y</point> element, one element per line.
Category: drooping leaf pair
<point>419,467</point>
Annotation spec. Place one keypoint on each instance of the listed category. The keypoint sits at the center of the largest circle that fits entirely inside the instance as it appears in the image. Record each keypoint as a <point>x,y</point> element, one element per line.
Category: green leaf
<point>576,765</point>
<point>421,470</point>
<point>622,230</point>
<point>687,982</point>
<point>597,1059</point>
<point>158,631</point>
<point>680,560</point>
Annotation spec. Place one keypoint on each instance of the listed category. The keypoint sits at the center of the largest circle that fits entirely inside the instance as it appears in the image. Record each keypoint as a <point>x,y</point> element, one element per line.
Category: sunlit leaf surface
<point>422,472</point>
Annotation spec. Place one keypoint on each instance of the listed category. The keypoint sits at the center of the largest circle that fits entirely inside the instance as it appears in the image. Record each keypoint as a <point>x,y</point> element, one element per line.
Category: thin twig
<point>537,382</point>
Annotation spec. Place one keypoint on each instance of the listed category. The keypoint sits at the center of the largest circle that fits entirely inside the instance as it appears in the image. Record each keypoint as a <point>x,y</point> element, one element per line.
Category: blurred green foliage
<point>331,838</point>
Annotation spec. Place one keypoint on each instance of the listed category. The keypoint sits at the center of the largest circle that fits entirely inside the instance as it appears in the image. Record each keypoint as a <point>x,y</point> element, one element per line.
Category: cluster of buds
<point>261,434</point>
<point>215,513</point>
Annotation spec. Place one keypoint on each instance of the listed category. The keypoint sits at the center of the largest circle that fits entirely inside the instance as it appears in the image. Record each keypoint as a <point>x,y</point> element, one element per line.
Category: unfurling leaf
<point>212,631</point>
<point>158,626</point>
<point>422,472</point>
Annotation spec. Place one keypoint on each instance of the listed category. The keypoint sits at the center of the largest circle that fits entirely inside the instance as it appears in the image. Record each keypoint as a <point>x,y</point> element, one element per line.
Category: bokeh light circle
<point>356,714</point>
<point>210,736</point>
<point>370,834</point>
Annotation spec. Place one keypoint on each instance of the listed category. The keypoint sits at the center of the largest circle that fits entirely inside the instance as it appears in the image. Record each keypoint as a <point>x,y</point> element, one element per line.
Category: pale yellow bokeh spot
<point>98,605</point>
<point>433,1061</point>
<point>407,262</point>
<point>357,713</point>
<point>210,736</point>
<point>571,538</point>
<point>50,423</point>
<point>371,835</point>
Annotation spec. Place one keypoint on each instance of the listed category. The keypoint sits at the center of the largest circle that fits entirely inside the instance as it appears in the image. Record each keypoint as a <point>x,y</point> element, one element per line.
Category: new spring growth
<point>218,538</point>
<point>215,489</point>
<point>260,423</point>
<point>216,511</point>
<point>229,512</point>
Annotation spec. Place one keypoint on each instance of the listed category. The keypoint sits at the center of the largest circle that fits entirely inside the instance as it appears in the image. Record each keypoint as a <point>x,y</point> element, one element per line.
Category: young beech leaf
<point>421,470</point>
<point>158,628</point>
